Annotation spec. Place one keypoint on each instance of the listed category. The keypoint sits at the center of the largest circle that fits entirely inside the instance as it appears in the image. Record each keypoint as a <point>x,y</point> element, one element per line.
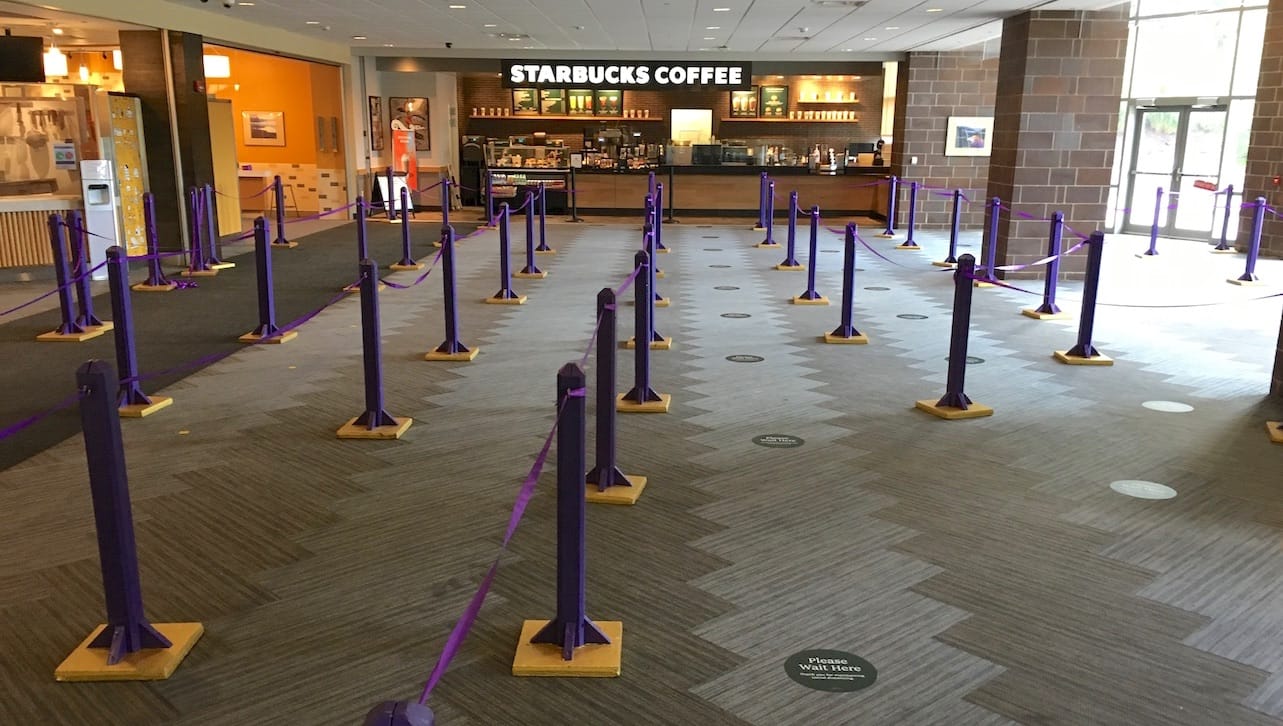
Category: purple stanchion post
<point>955,396</point>
<point>267,327</point>
<point>989,275</point>
<point>1253,245</point>
<point>130,398</point>
<point>909,243</point>
<point>893,191</point>
<point>811,297</point>
<point>80,266</point>
<point>407,253</point>
<point>1224,245</point>
<point>505,293</point>
<point>156,280</point>
<point>452,349</point>
<point>790,250</point>
<point>362,246</point>
<point>606,472</point>
<point>650,183</point>
<point>761,203</point>
<point>388,206</point>
<point>531,269</point>
<point>571,627</point>
<point>1153,228</point>
<point>211,229</point>
<point>672,194</point>
<point>375,415</point>
<point>1049,309</point>
<point>951,260</point>
<point>196,265</point>
<point>128,630</point>
<point>770,220</point>
<point>656,300</point>
<point>846,332</point>
<point>542,197</point>
<point>657,219</point>
<point>489,199</point>
<point>445,203</point>
<point>1084,353</point>
<point>58,240</point>
<point>278,192</point>
<point>641,392</point>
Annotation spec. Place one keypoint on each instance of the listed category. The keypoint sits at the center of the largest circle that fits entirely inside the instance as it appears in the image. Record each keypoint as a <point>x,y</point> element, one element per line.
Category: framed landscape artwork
<point>263,128</point>
<point>969,136</point>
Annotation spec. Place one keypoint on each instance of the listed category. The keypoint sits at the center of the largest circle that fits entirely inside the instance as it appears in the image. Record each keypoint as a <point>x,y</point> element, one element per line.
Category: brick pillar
<point>1060,76</point>
<point>931,87</point>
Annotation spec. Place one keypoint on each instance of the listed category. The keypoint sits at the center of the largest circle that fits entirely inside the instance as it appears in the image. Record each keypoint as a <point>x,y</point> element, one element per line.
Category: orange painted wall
<point>327,102</point>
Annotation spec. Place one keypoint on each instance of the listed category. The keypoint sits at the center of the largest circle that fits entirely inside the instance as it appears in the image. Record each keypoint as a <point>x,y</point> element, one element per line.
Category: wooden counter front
<point>24,228</point>
<point>731,194</point>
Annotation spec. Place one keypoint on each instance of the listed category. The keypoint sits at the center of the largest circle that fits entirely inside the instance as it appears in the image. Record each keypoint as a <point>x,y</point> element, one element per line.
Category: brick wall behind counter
<point>931,88</point>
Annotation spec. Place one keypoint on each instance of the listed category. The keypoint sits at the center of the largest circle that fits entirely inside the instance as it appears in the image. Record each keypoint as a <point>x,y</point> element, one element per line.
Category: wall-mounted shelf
<point>795,120</point>
<point>838,103</point>
<point>563,118</point>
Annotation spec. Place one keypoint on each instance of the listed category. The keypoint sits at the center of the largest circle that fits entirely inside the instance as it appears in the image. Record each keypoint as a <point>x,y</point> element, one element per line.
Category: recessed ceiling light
<point>57,31</point>
<point>709,37</point>
<point>514,39</point>
<point>935,10</point>
<point>870,38</point>
<point>893,27</point>
<point>847,50</point>
<point>313,22</point>
<point>246,5</point>
<point>389,45</point>
<point>458,7</point>
<point>359,37</point>
<point>490,25</point>
<point>721,10</point>
<point>713,27</point>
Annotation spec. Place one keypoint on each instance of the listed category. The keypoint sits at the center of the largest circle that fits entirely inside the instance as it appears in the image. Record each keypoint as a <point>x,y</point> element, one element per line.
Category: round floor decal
<point>1168,406</point>
<point>711,236</point>
<point>712,249</point>
<point>877,289</point>
<point>736,316</point>
<point>725,287</point>
<point>720,266</point>
<point>911,316</point>
<point>779,441</point>
<point>830,670</point>
<point>971,360</point>
<point>1143,489</point>
<point>742,358</point>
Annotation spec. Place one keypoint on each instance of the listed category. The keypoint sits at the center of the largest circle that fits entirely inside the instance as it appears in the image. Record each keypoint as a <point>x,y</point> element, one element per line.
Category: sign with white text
<point>628,74</point>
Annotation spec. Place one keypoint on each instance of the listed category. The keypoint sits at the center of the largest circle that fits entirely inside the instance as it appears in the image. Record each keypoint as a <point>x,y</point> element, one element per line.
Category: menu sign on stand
<point>775,102</point>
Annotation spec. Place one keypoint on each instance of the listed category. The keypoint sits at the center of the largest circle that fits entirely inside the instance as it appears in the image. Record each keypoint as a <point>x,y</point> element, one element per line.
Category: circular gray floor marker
<point>712,236</point>
<point>911,316</point>
<point>736,316</point>
<point>1143,489</point>
<point>830,252</point>
<point>704,226</point>
<point>859,269</point>
<point>877,289</point>
<point>722,267</point>
<point>971,360</point>
<point>1168,406</point>
<point>745,358</point>
<point>830,670</point>
<point>779,441</point>
<point>726,287</point>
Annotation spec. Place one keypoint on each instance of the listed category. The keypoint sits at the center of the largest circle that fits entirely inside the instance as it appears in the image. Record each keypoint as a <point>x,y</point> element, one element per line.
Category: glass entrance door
<point>1174,147</point>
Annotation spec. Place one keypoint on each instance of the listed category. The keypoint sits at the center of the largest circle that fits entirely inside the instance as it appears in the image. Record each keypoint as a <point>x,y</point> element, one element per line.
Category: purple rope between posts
<point>14,429</point>
<point>55,291</point>
<point>424,276</point>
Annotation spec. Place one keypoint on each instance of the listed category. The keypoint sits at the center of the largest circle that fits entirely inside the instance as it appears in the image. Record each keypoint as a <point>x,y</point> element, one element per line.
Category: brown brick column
<point>930,88</point>
<point>1060,79</point>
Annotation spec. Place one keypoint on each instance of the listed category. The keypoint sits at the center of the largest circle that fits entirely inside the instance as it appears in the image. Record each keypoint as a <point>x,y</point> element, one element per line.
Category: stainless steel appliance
<point>736,155</point>
<point>706,154</point>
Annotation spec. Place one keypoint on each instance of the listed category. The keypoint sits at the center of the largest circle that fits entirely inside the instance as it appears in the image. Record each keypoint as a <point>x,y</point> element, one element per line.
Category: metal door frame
<point>1134,223</point>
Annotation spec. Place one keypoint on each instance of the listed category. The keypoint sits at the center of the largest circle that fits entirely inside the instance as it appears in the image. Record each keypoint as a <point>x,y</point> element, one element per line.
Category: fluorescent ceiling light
<point>359,37</point>
<point>218,66</point>
<point>57,31</point>
<point>713,27</point>
<point>117,60</point>
<point>55,63</point>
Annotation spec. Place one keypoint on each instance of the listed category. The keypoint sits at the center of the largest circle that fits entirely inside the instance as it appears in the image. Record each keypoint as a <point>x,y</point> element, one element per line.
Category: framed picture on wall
<point>552,102</point>
<point>610,103</point>
<point>412,113</point>
<point>969,136</point>
<point>378,130</point>
<point>579,102</point>
<point>525,102</point>
<point>774,102</point>
<point>744,104</point>
<point>263,128</point>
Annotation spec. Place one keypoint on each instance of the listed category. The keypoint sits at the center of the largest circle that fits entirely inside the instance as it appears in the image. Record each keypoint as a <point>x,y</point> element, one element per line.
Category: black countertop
<point>732,170</point>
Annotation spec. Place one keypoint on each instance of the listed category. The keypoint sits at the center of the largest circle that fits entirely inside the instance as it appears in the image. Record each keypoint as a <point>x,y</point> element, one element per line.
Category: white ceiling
<point>30,20</point>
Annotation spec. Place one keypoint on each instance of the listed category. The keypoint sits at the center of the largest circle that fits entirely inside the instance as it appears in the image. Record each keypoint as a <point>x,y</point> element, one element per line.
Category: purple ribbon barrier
<point>211,229</point>
<point>951,259</point>
<point>810,296</point>
<point>642,398</point>
<point>531,270</point>
<point>127,630</point>
<point>132,401</point>
<point>1253,246</point>
<point>770,242</point>
<point>1224,245</point>
<point>267,331</point>
<point>407,253</point>
<point>156,280</point>
<point>451,349</point>
<point>68,329</point>
<point>790,250</point>
<point>846,332</point>
<point>81,264</point>
<point>197,266</point>
<point>892,192</point>
<point>761,203</point>
<point>1153,228</point>
<point>989,274</point>
<point>955,404</point>
<point>543,248</point>
<point>606,473</point>
<point>505,296</point>
<point>375,422</point>
<point>1084,353</point>
<point>909,243</point>
<point>1049,310</point>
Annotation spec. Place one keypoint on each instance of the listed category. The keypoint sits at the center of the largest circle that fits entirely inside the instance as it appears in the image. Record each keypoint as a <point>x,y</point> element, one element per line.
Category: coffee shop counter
<point>24,227</point>
<point>732,190</point>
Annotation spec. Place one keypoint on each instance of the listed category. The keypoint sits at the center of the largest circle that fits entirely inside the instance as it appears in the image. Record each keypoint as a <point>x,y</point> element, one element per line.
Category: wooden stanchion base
<point>618,494</point>
<point>518,300</point>
<point>662,302</point>
<point>1245,283</point>
<point>1276,431</point>
<point>908,247</point>
<point>663,251</point>
<point>946,265</point>
<point>90,333</point>
<point>791,268</point>
<point>222,265</point>
<point>758,228</point>
<point>144,287</point>
<point>982,284</point>
<point>143,410</point>
<point>884,235</point>
<point>530,275</point>
<point>839,340</point>
<point>766,246</point>
<point>1077,360</point>
<point>1033,313</point>
<point>285,245</point>
<point>662,344</point>
<point>270,340</point>
<point>351,430</point>
<point>463,357</point>
<point>950,413</point>
<point>1230,251</point>
<point>356,289</point>
<point>198,273</point>
<point>590,661</point>
<point>799,300</point>
<point>549,251</point>
<point>152,664</point>
<point>407,268</point>
<point>660,406</point>
<point>659,274</point>
<point>1147,256</point>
